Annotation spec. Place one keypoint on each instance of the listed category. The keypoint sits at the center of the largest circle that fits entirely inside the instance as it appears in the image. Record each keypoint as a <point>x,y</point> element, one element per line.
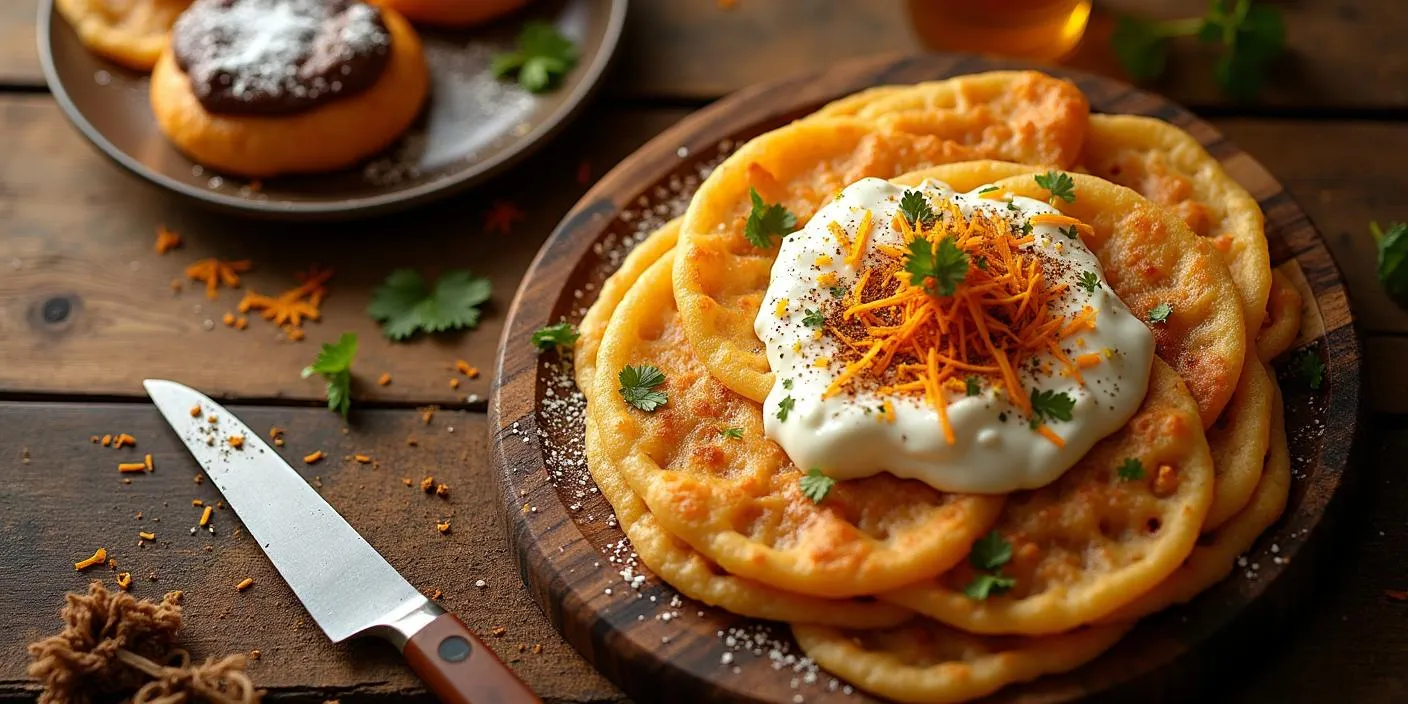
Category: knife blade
<point>345,584</point>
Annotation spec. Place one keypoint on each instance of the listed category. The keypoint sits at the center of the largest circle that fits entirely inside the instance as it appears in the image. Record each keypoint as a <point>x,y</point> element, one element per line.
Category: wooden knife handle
<point>459,669</point>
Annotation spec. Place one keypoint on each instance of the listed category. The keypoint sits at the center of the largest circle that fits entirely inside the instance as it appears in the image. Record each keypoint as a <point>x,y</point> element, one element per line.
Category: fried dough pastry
<point>129,32</point>
<point>1216,554</point>
<point>1283,318</point>
<point>1168,166</point>
<point>927,662</point>
<point>738,502</point>
<point>671,558</point>
<point>1021,116</point>
<point>1093,540</point>
<point>1238,440</point>
<point>1150,258</point>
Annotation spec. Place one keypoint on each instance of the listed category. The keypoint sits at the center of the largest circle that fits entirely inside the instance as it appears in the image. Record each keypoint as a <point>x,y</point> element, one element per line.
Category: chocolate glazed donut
<point>278,57</point>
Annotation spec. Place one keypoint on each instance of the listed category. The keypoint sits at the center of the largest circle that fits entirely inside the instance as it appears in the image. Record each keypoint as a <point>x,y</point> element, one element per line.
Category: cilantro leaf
<point>1311,369</point>
<point>1160,313</point>
<point>638,386</point>
<point>556,335</point>
<point>405,304</point>
<point>990,552</point>
<point>1131,469</point>
<point>816,485</point>
<point>915,208</point>
<point>971,385</point>
<point>1089,281</point>
<point>1393,258</point>
<point>1070,232</point>
<point>1059,183</point>
<point>334,364</point>
<point>542,55</point>
<point>1251,35</point>
<point>1050,405</point>
<point>767,221</point>
<point>732,433</point>
<point>784,407</point>
<point>838,291</point>
<point>988,189</point>
<point>787,384</point>
<point>814,319</point>
<point>986,585</point>
<point>939,270</point>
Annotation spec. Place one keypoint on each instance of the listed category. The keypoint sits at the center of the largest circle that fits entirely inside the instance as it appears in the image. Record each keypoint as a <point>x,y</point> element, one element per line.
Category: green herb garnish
<point>1251,36</point>
<point>1310,368</point>
<point>1049,405</point>
<point>814,319</point>
<point>816,485</point>
<point>405,304</point>
<point>732,433</point>
<point>988,555</point>
<point>334,364</point>
<point>767,221</point>
<point>915,208</point>
<point>1131,469</point>
<point>784,407</point>
<point>1089,281</point>
<point>638,386</point>
<point>542,56</point>
<point>1059,183</point>
<point>1160,313</point>
<point>939,270</point>
<point>971,385</point>
<point>1393,254</point>
<point>555,335</point>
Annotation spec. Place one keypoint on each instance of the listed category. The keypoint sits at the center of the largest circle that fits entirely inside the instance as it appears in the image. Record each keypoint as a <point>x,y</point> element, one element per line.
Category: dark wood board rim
<point>556,553</point>
<point>535,138</point>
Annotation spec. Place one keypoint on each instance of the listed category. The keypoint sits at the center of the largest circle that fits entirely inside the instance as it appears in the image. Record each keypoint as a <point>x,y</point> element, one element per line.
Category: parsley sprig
<point>767,221</point>
<point>784,407</point>
<point>334,364</point>
<point>939,270</point>
<point>1309,367</point>
<point>1059,183</point>
<point>1089,281</point>
<point>1160,313</point>
<point>1251,35</point>
<point>1048,405</point>
<point>988,555</point>
<point>916,210</point>
<point>638,386</point>
<point>542,56</point>
<point>732,433</point>
<point>814,318</point>
<point>1393,259</point>
<point>816,485</point>
<point>405,304</point>
<point>562,335</point>
<point>1130,470</point>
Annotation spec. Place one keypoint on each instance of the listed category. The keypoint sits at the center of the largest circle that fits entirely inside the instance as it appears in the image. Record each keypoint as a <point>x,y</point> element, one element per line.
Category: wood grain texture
<point>1168,658</point>
<point>68,499</point>
<point>1341,54</point>
<point>77,232</point>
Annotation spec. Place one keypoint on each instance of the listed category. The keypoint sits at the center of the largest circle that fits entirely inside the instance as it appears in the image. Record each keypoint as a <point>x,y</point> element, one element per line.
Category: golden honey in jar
<point>1031,29</point>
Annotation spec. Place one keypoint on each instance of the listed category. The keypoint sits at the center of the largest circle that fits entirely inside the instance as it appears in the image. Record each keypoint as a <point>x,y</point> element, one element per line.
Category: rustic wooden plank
<point>1344,54</point>
<point>1332,170</point>
<point>76,234</point>
<point>19,55</point>
<point>68,499</point>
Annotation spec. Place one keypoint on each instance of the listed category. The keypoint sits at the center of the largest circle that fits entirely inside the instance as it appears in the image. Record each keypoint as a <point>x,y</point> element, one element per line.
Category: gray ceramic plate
<point>473,126</point>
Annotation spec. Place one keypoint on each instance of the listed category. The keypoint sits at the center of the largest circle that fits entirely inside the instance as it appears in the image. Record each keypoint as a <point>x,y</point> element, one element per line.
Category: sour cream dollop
<point>863,428</point>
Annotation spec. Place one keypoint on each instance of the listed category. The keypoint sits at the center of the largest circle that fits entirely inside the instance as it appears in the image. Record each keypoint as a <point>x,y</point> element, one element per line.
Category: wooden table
<point>86,312</point>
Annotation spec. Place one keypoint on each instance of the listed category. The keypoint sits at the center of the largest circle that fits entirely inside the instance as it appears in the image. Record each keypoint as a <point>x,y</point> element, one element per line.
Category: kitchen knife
<point>347,587</point>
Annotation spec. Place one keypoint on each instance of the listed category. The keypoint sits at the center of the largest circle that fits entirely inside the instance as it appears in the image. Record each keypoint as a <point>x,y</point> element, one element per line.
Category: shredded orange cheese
<point>98,558</point>
<point>147,461</point>
<point>384,379</point>
<point>217,272</point>
<point>124,580</point>
<point>244,584</point>
<point>145,535</point>
<point>466,369</point>
<point>236,441</point>
<point>908,340</point>
<point>362,459</point>
<point>132,467</point>
<point>166,240</point>
<point>205,515</point>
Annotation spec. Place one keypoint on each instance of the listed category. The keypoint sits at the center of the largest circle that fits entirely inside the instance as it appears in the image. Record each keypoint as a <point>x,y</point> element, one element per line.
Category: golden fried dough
<point>1168,166</point>
<point>738,501</point>
<point>1283,318</point>
<point>331,136</point>
<point>926,662</point>
<point>1238,440</point>
<point>1094,539</point>
<point>130,32</point>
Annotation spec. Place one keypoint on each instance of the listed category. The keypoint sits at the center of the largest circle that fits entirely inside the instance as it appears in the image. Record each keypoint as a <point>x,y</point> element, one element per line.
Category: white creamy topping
<point>995,449</point>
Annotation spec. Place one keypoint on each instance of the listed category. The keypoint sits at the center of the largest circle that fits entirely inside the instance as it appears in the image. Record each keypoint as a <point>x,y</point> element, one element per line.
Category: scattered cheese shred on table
<point>244,584</point>
<point>215,273</point>
<point>132,467</point>
<point>124,580</point>
<point>166,240</point>
<point>98,558</point>
<point>205,515</point>
<point>146,535</point>
<point>313,457</point>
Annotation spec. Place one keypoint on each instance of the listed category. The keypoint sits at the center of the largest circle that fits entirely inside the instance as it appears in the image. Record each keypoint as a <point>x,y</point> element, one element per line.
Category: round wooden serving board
<point>571,554</point>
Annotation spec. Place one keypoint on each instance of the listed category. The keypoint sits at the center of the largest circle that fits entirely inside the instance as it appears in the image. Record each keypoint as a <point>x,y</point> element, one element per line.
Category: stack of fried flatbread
<point>872,579</point>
